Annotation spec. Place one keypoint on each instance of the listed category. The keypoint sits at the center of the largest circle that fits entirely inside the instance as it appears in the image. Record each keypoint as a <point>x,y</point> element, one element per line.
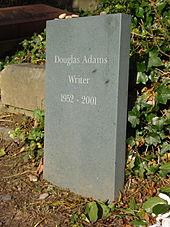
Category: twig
<point>163,52</point>
<point>1,119</point>
<point>162,72</point>
<point>153,4</point>
<point>39,202</point>
<point>5,116</point>
<point>40,221</point>
<point>149,36</point>
<point>39,169</point>
<point>18,174</point>
<point>21,151</point>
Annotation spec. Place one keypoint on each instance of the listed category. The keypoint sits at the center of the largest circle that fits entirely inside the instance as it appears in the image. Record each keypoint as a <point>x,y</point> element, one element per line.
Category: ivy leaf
<point>127,211</point>
<point>134,120</point>
<point>141,170</point>
<point>141,78</point>
<point>22,136</point>
<point>2,152</point>
<point>165,80</point>
<point>154,60</point>
<point>140,12</point>
<point>161,209</point>
<point>92,211</point>
<point>152,139</point>
<point>158,123</point>
<point>132,204</point>
<point>133,116</point>
<point>153,169</point>
<point>131,141</point>
<point>151,202</point>
<point>138,223</point>
<point>26,158</point>
<point>153,77</point>
<point>163,94</point>
<point>111,207</point>
<point>165,147</point>
<point>141,66</point>
<point>132,164</point>
<point>33,145</point>
<point>149,117</point>
<point>161,5</point>
<point>162,135</point>
<point>103,209</point>
<point>165,167</point>
<point>39,116</point>
<point>163,174</point>
<point>165,190</point>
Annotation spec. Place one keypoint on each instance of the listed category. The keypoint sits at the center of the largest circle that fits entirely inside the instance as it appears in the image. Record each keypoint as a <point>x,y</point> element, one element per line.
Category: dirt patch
<point>19,197</point>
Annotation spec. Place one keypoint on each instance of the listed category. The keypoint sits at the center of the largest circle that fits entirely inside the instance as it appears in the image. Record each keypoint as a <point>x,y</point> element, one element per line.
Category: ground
<point>26,199</point>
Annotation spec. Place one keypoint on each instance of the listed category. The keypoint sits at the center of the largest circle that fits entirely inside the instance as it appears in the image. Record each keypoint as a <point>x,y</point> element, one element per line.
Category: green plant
<point>150,116</point>
<point>158,205</point>
<point>96,210</point>
<point>32,51</point>
<point>2,152</point>
<point>149,25</point>
<point>137,213</point>
<point>148,149</point>
<point>5,62</point>
<point>31,132</point>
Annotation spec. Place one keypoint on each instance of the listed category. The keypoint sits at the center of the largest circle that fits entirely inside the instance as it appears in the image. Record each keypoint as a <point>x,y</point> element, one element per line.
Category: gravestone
<point>86,104</point>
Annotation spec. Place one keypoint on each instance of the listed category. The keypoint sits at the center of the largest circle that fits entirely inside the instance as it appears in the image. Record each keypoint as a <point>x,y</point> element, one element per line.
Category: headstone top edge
<point>128,16</point>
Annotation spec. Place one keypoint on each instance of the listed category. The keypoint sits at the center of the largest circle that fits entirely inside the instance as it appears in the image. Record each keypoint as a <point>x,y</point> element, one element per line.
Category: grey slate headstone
<point>86,104</point>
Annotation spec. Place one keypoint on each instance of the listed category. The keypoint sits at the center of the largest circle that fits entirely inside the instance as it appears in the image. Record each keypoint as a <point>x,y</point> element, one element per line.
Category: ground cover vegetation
<point>148,147</point>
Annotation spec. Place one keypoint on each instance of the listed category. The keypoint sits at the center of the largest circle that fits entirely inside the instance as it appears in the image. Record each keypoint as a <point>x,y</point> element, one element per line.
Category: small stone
<point>103,13</point>
<point>19,189</point>
<point>22,149</point>
<point>62,16</point>
<point>33,178</point>
<point>50,188</point>
<point>165,222</point>
<point>74,16</point>
<point>43,196</point>
<point>5,197</point>
<point>67,17</point>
